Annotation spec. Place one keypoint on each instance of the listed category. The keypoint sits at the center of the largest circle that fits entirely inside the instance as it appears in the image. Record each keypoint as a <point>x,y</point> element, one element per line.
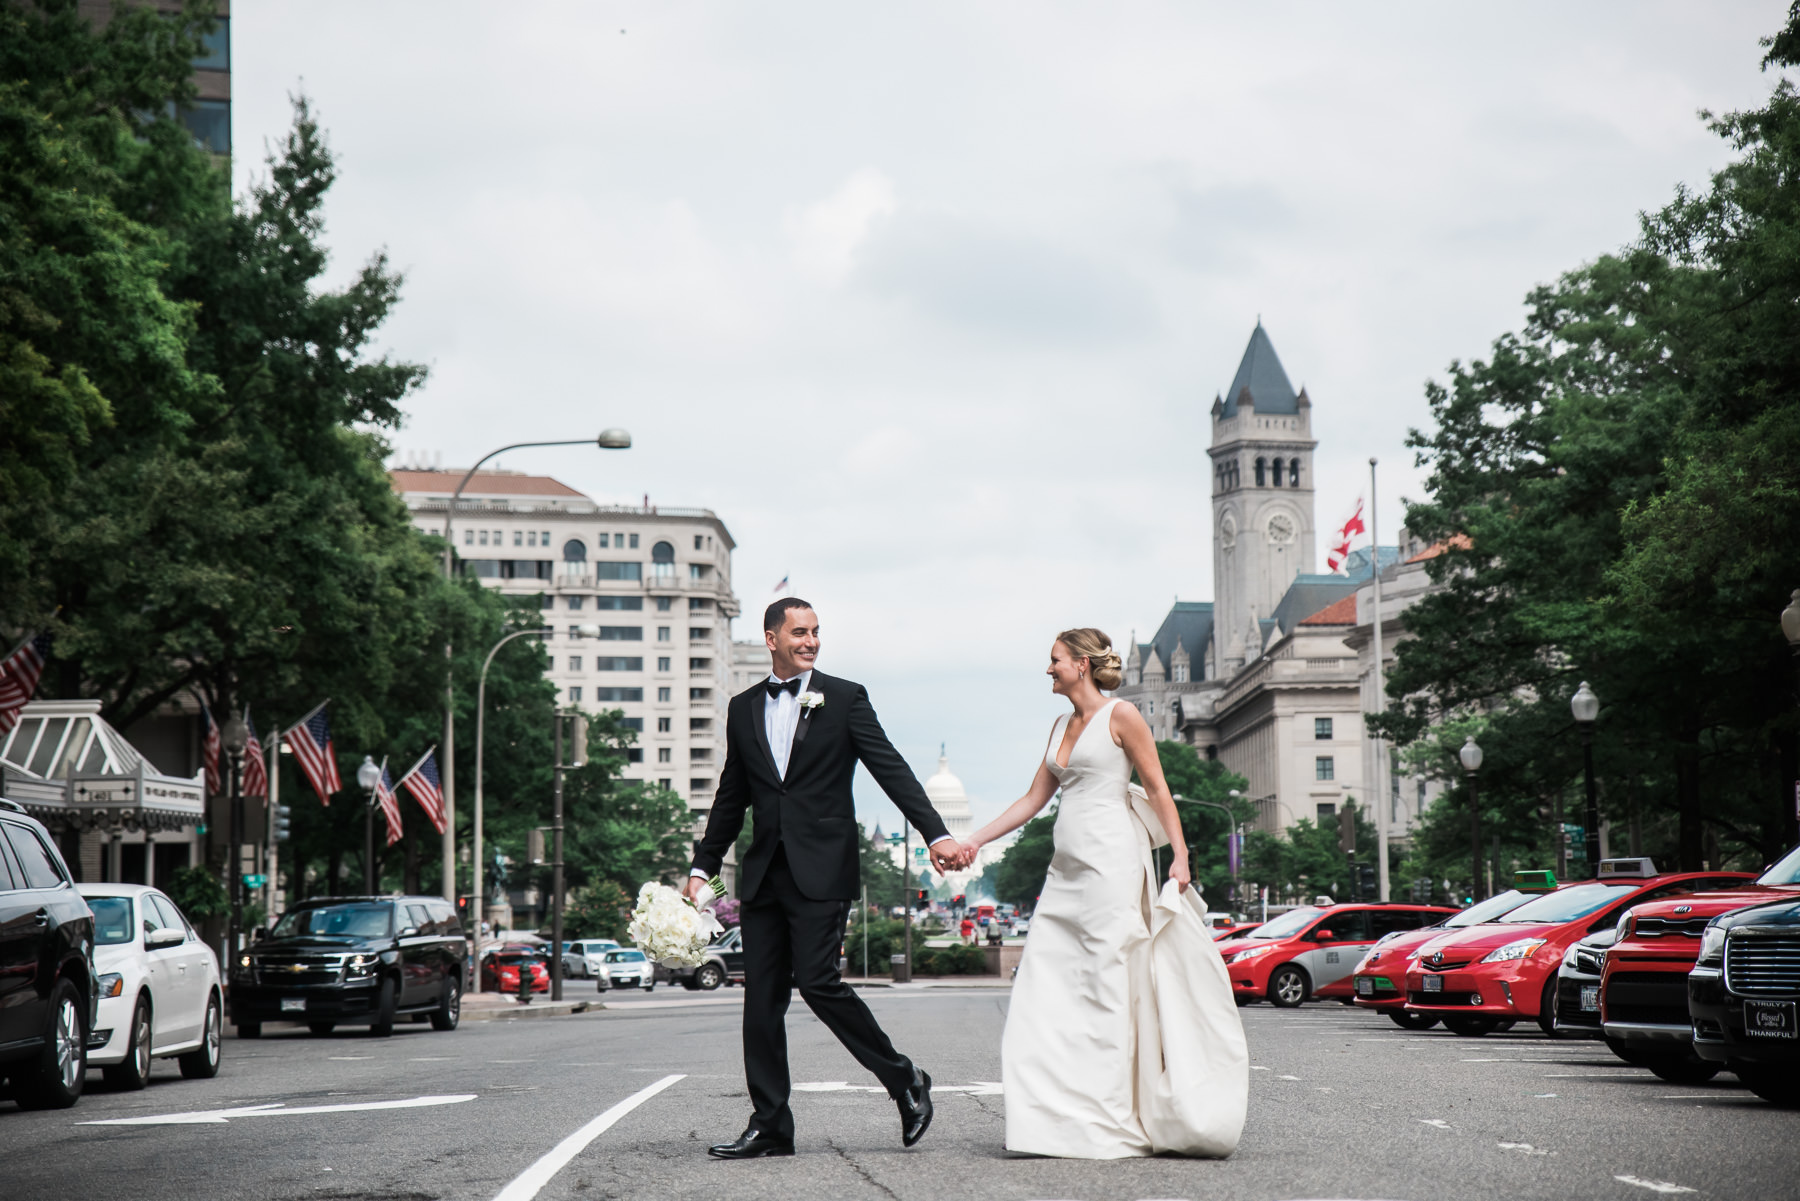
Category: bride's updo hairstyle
<point>1094,646</point>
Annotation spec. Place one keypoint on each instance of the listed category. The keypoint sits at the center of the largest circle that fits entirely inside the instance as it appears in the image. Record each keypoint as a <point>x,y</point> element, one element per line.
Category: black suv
<point>47,990</point>
<point>1744,994</point>
<point>353,961</point>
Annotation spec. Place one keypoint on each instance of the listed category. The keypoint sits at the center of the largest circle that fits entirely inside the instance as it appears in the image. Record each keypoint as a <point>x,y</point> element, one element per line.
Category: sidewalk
<point>923,982</point>
<point>487,1007</point>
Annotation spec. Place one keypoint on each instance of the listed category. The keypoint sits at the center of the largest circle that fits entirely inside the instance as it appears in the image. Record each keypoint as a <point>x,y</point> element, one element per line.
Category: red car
<point>1230,931</point>
<point>1373,980</point>
<point>1308,952</point>
<point>1644,988</point>
<point>500,970</point>
<point>1505,971</point>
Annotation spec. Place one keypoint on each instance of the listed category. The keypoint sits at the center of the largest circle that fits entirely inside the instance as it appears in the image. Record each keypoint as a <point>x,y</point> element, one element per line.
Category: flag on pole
<point>390,804</point>
<point>783,586</point>
<point>311,739</point>
<point>423,782</point>
<point>256,768</point>
<point>209,751</point>
<point>19,674</point>
<point>1340,545</point>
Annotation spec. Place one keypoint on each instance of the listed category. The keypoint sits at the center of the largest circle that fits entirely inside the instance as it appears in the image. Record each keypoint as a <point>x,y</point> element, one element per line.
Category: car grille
<point>1439,1000</point>
<point>298,969</point>
<point>1590,961</point>
<point>1647,997</point>
<point>1447,964</point>
<point>1763,964</point>
<point>1661,927</point>
<point>1568,1005</point>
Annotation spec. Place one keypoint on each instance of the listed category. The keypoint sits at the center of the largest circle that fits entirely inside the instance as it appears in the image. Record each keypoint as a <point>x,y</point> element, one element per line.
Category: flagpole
<point>1382,799</point>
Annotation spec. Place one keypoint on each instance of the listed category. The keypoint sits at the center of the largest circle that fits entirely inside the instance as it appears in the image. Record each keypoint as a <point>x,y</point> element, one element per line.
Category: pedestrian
<point>968,930</point>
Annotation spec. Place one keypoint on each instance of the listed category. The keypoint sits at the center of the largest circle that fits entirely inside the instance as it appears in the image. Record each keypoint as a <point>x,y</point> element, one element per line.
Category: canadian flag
<point>1340,546</point>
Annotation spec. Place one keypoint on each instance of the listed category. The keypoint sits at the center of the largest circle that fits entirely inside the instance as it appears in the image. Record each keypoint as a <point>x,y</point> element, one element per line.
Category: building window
<point>1276,467</point>
<point>468,537</point>
<point>210,123</point>
<point>575,694</point>
<point>697,784</point>
<point>543,537</point>
<point>699,664</point>
<point>698,633</point>
<point>1150,709</point>
<point>621,633</point>
<point>663,663</point>
<point>662,560</point>
<point>632,603</point>
<point>530,537</point>
<point>217,55</point>
<point>1293,473</point>
<point>663,603</point>
<point>1324,768</point>
<point>546,601</point>
<point>700,725</point>
<point>634,542</point>
<point>699,571</point>
<point>1181,673</point>
<point>664,755</point>
<point>484,537</point>
<point>574,602</point>
<point>634,754</point>
<point>618,571</point>
<point>698,542</point>
<point>1259,471</point>
<point>1326,811</point>
<point>662,725</point>
<point>699,754</point>
<point>574,551</point>
<point>699,604</point>
<point>664,634</point>
<point>699,694</point>
<point>574,662</point>
<point>662,695</point>
<point>1322,728</point>
<point>618,694</point>
<point>632,723</point>
<point>618,663</point>
<point>666,783</point>
<point>605,541</point>
<point>518,538</point>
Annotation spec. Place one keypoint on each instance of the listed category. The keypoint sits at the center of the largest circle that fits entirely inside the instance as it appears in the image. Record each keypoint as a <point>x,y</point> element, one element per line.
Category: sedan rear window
<point>1566,905</point>
<point>112,920</point>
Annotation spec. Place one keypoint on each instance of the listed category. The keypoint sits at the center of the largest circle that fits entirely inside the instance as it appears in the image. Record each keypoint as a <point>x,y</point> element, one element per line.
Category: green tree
<point>881,878</point>
<point>601,910</point>
<point>1205,828</point>
<point>1019,879</point>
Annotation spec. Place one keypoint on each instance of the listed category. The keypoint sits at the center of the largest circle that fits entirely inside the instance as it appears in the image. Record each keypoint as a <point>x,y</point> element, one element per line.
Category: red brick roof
<point>1338,613</point>
<point>1459,541</point>
<point>483,483</point>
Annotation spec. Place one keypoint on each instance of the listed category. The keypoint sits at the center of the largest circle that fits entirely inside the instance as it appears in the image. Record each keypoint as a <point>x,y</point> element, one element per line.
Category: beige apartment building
<point>656,580</point>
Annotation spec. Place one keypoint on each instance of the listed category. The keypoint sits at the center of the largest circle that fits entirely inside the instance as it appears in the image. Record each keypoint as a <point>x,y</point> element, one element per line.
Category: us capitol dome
<point>949,799</point>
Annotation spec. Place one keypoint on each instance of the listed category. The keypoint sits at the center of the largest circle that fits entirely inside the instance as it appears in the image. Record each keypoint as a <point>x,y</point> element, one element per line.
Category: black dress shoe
<point>753,1144</point>
<point>915,1108</point>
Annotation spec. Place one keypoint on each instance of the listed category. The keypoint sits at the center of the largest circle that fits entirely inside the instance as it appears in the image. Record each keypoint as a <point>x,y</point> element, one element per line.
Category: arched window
<point>1260,464</point>
<point>662,559</point>
<point>574,551</point>
<point>1294,473</point>
<point>1277,466</point>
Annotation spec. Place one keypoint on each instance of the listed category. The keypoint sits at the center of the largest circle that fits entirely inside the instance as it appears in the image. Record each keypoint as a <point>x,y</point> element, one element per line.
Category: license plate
<point>1590,998</point>
<point>1434,984</point>
<point>1769,1019</point>
<point>293,1004</point>
<point>1365,987</point>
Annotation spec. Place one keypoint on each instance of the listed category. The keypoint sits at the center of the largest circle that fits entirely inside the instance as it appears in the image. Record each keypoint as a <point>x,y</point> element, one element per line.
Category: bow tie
<point>777,687</point>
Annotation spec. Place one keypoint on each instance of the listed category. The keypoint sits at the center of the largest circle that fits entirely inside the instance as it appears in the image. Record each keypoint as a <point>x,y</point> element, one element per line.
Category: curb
<point>537,1009</point>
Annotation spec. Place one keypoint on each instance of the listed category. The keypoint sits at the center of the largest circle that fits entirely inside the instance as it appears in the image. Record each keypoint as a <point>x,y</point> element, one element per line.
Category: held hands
<point>948,855</point>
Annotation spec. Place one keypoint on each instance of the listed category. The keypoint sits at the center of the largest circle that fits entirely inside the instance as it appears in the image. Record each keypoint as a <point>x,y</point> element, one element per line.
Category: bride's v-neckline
<point>1067,719</point>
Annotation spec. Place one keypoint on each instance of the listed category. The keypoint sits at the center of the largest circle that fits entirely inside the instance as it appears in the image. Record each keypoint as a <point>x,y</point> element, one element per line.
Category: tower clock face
<point>1228,531</point>
<point>1281,529</point>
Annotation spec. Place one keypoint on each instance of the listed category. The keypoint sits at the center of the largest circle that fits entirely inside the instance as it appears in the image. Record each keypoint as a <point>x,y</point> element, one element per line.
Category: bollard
<point>899,969</point>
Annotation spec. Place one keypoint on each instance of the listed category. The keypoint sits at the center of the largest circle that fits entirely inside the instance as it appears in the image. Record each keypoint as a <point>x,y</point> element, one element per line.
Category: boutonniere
<point>811,700</point>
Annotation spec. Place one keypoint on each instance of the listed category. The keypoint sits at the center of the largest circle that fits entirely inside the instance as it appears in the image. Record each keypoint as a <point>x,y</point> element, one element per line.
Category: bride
<point>1122,1037</point>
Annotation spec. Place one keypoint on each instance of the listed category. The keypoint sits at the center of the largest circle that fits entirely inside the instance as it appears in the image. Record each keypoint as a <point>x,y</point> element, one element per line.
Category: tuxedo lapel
<point>814,684</point>
<point>757,703</point>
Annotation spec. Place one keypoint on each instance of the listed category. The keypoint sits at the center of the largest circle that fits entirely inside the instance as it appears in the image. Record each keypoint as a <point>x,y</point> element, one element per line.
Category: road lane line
<point>1655,1186</point>
<point>526,1185</point>
<point>273,1109</point>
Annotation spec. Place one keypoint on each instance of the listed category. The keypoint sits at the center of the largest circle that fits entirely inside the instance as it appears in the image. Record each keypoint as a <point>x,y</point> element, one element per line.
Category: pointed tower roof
<point>1260,373</point>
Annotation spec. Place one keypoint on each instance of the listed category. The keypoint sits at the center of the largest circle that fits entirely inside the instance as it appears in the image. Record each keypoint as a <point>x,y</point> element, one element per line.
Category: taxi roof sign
<point>1638,869</point>
<point>1535,881</point>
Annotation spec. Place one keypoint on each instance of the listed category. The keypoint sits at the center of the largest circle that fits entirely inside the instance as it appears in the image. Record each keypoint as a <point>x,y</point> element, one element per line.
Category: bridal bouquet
<point>672,930</point>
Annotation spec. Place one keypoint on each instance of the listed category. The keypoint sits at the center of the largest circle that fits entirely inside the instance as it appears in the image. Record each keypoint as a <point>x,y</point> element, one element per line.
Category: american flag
<point>256,768</point>
<point>423,782</point>
<point>209,751</point>
<point>19,678</point>
<point>390,804</point>
<point>783,586</point>
<point>1340,545</point>
<point>311,739</point>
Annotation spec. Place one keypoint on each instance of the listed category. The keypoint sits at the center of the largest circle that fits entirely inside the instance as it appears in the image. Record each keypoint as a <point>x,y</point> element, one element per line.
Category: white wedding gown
<point>1122,1037</point>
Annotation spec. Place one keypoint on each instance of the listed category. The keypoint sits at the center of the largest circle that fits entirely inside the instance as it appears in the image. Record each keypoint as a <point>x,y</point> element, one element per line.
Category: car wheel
<point>449,1013</point>
<point>1684,1069</point>
<point>709,977</point>
<point>385,1001</point>
<point>1628,1053</point>
<point>1774,1086</point>
<point>133,1072</point>
<point>321,1027</point>
<point>1546,1018</point>
<point>203,1062</point>
<point>649,986</point>
<point>1470,1027</point>
<point>54,1081</point>
<point>1288,986</point>
<point>249,1029</point>
<point>1412,1021</point>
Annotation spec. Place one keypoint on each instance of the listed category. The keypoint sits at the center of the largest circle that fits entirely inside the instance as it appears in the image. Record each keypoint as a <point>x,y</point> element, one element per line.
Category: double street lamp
<point>1471,762</point>
<point>1586,707</point>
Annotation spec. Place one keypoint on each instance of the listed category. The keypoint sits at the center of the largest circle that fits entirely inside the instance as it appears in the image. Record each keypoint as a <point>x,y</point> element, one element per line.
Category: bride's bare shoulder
<point>1124,719</point>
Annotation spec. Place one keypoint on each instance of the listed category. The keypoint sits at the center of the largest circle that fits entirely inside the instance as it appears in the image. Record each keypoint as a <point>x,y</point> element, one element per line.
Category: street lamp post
<point>609,439</point>
<point>1231,847</point>
<point>234,739</point>
<point>368,776</point>
<point>1586,707</point>
<point>1471,761</point>
<point>577,758</point>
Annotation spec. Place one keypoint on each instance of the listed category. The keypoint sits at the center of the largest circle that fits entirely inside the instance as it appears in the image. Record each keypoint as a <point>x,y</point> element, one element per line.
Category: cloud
<point>827,235</point>
<point>1216,229</point>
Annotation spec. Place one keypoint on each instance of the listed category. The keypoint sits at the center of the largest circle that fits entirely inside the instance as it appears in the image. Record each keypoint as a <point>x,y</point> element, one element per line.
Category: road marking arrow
<point>276,1109</point>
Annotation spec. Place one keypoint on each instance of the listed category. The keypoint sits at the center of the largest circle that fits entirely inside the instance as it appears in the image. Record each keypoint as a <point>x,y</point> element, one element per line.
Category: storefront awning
<point>69,768</point>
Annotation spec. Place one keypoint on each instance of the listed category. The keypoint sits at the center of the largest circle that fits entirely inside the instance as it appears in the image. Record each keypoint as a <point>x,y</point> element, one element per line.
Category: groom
<point>792,744</point>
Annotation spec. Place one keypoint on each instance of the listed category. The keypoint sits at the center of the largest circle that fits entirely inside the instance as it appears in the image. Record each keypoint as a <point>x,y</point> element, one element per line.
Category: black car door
<point>47,903</point>
<point>21,1018</point>
<point>419,957</point>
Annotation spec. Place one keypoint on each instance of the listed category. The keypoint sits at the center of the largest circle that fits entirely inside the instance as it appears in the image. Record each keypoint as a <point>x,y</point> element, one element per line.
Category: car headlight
<point>1252,953</point>
<point>360,965</point>
<point>1622,931</point>
<point>112,985</point>
<point>1712,944</point>
<point>1519,948</point>
<point>243,966</point>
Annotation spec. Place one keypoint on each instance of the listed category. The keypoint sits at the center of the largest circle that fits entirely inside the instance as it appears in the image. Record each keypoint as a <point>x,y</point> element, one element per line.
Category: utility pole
<point>1383,790</point>
<point>577,758</point>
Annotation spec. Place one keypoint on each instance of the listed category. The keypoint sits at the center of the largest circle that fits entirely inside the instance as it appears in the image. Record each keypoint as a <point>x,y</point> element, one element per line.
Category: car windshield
<point>112,920</point>
<point>345,921</point>
<point>1578,900</point>
<point>624,957</point>
<point>1291,922</point>
<point>1489,910</point>
<point>1785,871</point>
<point>514,960</point>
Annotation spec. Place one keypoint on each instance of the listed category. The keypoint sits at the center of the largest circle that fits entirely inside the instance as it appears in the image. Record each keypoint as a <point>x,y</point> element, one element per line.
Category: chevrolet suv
<point>353,961</point>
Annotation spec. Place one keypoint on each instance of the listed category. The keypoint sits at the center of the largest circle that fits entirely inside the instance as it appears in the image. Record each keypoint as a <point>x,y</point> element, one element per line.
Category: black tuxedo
<point>802,870</point>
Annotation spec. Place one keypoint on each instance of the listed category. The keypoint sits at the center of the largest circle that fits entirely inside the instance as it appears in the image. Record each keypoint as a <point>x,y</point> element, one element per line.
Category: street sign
<point>255,880</point>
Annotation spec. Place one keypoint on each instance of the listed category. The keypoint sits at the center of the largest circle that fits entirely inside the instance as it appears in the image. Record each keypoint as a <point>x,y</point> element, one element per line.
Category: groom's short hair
<point>775,616</point>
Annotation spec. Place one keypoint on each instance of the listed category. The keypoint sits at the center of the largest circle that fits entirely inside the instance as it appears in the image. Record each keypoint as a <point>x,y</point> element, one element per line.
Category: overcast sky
<point>930,301</point>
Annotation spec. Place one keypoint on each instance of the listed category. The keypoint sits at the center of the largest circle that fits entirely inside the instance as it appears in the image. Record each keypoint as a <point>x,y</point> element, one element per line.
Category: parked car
<point>1505,971</point>
<point>1021,925</point>
<point>1227,933</point>
<point>1309,952</point>
<point>47,989</point>
<point>628,967</point>
<point>724,964</point>
<point>1744,991</point>
<point>500,969</point>
<point>584,959</point>
<point>159,988</point>
<point>1379,981</point>
<point>1577,1013</point>
<point>353,961</point>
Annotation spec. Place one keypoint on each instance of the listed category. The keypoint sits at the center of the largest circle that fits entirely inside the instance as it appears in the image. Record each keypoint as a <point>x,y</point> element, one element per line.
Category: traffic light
<point>282,830</point>
<point>1366,874</point>
<point>923,894</point>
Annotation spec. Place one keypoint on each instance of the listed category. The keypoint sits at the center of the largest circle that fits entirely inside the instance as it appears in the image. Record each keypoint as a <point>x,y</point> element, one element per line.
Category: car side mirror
<point>1323,936</point>
<point>166,936</point>
<point>409,932</point>
<point>260,933</point>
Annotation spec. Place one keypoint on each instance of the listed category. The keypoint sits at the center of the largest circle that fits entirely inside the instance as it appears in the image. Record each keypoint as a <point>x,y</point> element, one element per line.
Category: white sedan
<point>159,987</point>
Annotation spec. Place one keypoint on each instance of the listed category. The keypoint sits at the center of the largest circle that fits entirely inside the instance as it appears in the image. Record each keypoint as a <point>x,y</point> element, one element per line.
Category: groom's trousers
<point>791,941</point>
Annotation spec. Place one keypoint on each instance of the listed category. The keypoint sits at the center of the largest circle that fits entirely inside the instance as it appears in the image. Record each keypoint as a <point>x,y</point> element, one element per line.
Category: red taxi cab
<point>1644,987</point>
<point>1474,980</point>
<point>1378,982</point>
<point>1308,952</point>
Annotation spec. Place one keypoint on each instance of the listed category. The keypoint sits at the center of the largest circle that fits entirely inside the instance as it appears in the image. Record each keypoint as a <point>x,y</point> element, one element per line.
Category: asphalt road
<point>1342,1104</point>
